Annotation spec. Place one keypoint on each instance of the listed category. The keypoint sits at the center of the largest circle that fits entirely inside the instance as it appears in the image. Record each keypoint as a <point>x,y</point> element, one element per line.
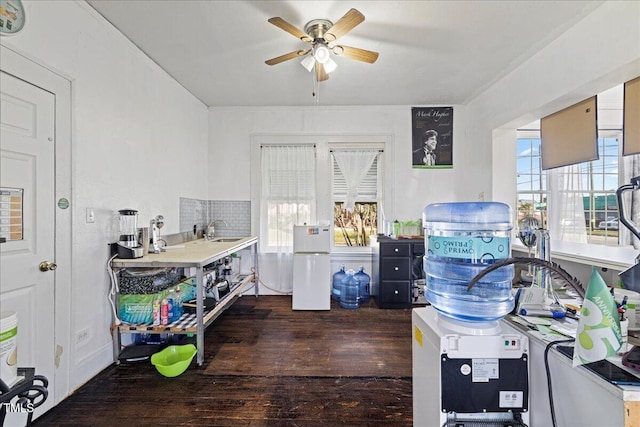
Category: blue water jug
<point>337,282</point>
<point>462,239</point>
<point>365,283</point>
<point>350,291</point>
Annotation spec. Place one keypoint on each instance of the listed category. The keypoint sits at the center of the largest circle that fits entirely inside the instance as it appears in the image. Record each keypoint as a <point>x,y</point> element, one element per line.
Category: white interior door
<point>27,181</point>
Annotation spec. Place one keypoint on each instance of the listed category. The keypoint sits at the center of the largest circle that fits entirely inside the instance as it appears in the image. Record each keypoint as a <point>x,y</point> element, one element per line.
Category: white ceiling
<point>431,52</point>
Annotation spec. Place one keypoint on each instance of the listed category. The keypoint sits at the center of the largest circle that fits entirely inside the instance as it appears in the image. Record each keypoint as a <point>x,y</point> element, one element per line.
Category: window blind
<point>288,173</point>
<point>570,136</point>
<point>368,188</point>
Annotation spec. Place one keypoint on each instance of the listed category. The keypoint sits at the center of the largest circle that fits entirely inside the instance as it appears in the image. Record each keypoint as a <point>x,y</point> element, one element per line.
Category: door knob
<point>47,266</point>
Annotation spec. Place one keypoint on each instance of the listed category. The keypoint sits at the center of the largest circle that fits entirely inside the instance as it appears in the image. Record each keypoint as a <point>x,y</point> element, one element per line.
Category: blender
<point>128,244</point>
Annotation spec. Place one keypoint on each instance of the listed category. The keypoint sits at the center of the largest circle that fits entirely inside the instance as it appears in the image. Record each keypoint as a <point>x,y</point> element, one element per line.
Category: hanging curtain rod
<point>353,149</point>
<point>288,145</point>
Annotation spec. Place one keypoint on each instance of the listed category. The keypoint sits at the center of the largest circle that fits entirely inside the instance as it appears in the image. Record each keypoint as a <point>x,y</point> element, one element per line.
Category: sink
<point>226,239</point>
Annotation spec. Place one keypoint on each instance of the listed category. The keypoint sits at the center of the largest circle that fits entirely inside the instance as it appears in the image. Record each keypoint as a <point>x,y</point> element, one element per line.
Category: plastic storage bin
<point>461,239</point>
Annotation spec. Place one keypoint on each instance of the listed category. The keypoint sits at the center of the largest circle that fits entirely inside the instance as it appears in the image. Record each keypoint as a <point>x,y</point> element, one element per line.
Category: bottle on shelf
<point>156,313</point>
<point>171,297</point>
<point>177,304</point>
<point>164,312</point>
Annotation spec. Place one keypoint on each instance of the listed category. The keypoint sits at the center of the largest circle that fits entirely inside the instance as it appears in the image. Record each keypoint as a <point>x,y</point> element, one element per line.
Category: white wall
<point>598,53</point>
<point>408,191</point>
<point>231,130</point>
<point>138,140</point>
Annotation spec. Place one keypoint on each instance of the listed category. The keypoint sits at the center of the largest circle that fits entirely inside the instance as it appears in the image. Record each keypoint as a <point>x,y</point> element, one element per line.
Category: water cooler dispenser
<point>466,370</point>
<point>468,377</point>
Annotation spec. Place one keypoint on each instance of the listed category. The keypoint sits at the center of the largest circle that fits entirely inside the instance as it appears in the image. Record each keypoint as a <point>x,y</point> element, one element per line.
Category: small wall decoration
<point>432,137</point>
<point>12,16</point>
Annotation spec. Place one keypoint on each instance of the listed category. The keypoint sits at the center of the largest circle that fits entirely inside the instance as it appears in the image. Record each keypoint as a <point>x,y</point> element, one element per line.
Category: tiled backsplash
<point>236,214</point>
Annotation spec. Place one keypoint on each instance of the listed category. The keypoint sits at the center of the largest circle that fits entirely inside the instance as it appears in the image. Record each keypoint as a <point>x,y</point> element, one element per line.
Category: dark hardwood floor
<point>265,365</point>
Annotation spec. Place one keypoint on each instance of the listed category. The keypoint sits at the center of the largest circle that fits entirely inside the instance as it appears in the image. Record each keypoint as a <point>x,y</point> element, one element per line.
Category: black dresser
<point>397,263</point>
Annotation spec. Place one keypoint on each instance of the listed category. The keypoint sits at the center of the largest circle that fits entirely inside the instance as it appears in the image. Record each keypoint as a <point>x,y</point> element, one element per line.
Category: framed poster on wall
<point>432,137</point>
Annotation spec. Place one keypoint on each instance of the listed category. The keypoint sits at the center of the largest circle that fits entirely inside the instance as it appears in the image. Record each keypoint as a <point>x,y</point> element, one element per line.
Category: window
<point>354,225</point>
<point>592,183</point>
<point>531,181</point>
<point>578,203</point>
<point>322,188</point>
<point>288,194</point>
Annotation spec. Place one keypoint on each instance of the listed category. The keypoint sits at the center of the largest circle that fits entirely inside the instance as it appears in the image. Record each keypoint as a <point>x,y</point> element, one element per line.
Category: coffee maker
<point>128,245</point>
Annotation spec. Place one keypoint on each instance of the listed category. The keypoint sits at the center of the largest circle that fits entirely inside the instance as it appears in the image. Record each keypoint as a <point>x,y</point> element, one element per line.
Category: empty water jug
<point>365,283</point>
<point>350,291</point>
<point>337,282</point>
<point>462,239</point>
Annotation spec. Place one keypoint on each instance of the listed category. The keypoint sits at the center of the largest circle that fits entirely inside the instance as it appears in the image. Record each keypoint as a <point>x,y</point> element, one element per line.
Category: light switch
<point>91,216</point>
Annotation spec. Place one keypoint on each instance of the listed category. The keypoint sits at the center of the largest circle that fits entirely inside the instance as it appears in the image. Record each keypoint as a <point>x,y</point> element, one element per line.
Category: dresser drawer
<point>395,268</point>
<point>395,294</point>
<point>395,249</point>
<point>418,249</point>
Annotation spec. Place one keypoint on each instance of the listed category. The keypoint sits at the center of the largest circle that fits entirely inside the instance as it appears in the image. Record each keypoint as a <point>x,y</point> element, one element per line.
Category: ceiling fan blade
<point>345,24</point>
<point>355,53</point>
<point>321,74</point>
<point>286,57</point>
<point>295,31</point>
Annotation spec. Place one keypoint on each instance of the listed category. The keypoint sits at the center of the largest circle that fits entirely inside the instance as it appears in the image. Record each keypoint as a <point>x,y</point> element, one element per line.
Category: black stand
<point>31,392</point>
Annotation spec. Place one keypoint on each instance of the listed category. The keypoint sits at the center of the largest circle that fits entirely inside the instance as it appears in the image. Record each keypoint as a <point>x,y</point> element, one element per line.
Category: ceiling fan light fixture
<point>319,33</point>
<point>321,53</point>
<point>330,65</point>
<point>308,62</point>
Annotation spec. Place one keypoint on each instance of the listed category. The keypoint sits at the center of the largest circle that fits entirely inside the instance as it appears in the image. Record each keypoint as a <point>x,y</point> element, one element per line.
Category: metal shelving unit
<point>195,254</point>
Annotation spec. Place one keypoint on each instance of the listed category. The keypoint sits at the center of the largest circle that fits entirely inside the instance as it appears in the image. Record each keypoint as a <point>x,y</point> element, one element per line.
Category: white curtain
<point>288,197</point>
<point>631,165</point>
<point>566,220</point>
<point>354,166</point>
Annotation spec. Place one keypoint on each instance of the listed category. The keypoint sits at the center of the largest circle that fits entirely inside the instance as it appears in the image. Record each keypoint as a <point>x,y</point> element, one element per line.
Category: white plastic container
<point>461,240</point>
<point>9,347</point>
<point>633,306</point>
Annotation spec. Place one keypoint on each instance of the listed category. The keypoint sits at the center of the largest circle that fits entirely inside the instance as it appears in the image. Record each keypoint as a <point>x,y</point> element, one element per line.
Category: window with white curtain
<point>356,195</point>
<point>576,203</point>
<point>288,193</point>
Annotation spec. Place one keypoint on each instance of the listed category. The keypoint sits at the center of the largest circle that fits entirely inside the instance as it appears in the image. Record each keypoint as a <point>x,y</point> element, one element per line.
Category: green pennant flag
<point>598,335</point>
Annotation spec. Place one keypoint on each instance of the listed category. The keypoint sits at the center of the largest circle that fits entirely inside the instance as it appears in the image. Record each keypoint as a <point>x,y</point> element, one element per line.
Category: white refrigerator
<point>311,267</point>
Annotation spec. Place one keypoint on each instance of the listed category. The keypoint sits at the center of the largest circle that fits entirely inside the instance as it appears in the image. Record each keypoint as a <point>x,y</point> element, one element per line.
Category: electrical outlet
<point>82,336</point>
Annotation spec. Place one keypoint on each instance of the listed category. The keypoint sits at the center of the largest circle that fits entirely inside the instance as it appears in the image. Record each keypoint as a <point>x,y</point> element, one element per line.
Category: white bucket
<point>9,347</point>
<point>633,306</point>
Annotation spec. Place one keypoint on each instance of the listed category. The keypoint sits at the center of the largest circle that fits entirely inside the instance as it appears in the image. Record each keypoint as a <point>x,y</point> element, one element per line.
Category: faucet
<point>543,252</point>
<point>211,230</point>
<point>156,224</point>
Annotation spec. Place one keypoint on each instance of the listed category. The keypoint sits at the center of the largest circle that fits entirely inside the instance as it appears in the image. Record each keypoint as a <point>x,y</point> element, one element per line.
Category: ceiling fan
<point>321,32</point>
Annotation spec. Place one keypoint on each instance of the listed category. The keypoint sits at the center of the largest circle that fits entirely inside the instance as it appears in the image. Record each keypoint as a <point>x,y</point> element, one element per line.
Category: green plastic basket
<point>174,360</point>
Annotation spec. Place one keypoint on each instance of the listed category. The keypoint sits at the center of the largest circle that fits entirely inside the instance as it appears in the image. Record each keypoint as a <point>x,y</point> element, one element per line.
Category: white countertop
<point>196,253</point>
<point>613,257</point>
